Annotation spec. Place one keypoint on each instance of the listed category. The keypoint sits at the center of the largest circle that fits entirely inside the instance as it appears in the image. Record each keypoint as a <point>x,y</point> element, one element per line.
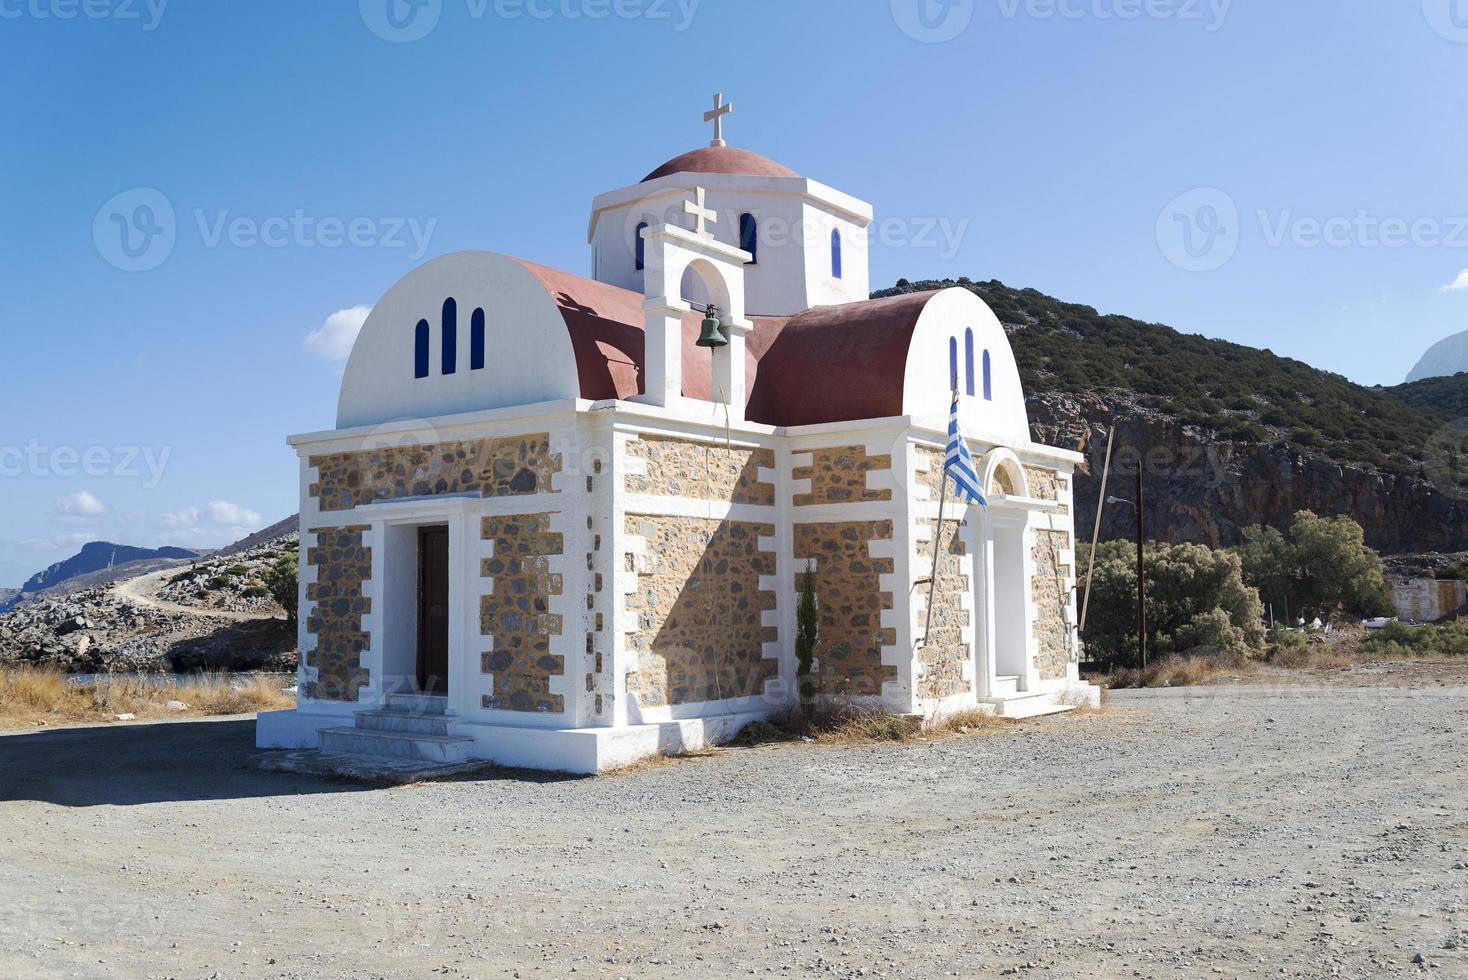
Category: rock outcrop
<point>1203,489</point>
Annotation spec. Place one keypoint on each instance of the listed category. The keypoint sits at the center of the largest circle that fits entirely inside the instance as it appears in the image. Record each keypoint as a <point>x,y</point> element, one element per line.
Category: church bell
<point>712,334</point>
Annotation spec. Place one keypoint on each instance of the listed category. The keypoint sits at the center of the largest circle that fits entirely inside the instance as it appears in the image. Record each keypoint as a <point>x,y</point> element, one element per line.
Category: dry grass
<point>30,697</point>
<point>1181,672</point>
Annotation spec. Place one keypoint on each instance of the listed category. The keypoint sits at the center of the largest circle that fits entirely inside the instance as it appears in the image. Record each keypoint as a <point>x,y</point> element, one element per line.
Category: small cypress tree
<point>807,634</point>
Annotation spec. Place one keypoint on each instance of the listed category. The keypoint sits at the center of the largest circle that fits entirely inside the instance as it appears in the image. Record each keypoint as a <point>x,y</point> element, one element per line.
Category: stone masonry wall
<point>947,652</point>
<point>343,563</point>
<point>849,594</point>
<point>699,610</point>
<point>516,613</point>
<point>839,476</point>
<point>505,467</point>
<point>702,470</point>
<point>1050,590</point>
<point>1047,484</point>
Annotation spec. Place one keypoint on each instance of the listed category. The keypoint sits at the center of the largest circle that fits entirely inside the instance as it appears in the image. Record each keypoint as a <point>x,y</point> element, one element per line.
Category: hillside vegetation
<point>1445,398</point>
<point>1239,393</point>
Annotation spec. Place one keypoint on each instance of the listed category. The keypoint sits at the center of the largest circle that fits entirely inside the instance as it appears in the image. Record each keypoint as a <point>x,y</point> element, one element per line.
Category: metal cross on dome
<point>701,215</point>
<point>716,116</point>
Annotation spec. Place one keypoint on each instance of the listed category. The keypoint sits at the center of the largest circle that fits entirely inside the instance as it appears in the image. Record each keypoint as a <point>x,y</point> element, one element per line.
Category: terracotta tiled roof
<point>722,160</point>
<point>829,364</point>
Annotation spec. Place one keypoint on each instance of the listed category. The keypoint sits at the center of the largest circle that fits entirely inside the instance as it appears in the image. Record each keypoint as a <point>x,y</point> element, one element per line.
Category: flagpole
<point>937,539</point>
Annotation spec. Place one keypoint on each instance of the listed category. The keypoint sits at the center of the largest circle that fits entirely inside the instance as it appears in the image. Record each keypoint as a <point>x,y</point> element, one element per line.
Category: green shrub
<point>283,581</point>
<point>216,583</point>
<point>1321,566</point>
<point>1399,639</point>
<point>237,571</point>
<point>1197,603</point>
<point>256,592</point>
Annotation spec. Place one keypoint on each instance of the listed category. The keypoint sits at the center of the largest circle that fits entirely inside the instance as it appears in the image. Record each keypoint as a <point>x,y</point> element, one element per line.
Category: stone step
<point>397,745</point>
<point>402,721</point>
<point>418,704</point>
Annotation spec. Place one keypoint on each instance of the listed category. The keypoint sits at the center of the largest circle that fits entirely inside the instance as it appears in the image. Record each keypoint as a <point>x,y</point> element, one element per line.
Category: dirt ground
<point>1237,831</point>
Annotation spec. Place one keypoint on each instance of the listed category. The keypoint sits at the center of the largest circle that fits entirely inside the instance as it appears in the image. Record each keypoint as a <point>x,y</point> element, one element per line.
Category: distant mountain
<point>1446,397</point>
<point>291,525</point>
<point>1448,356</point>
<point>96,557</point>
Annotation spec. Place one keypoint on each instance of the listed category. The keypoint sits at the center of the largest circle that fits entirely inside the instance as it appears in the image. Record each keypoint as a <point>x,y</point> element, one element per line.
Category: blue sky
<point>1286,175</point>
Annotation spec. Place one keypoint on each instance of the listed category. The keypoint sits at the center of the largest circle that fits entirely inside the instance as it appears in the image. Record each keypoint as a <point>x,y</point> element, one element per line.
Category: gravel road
<point>1245,832</point>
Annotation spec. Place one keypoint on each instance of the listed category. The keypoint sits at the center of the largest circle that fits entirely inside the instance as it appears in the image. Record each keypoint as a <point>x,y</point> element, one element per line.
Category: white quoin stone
<point>670,252</point>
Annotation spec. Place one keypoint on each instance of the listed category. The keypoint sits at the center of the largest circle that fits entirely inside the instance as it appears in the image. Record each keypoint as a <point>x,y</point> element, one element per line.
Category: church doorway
<point>433,610</point>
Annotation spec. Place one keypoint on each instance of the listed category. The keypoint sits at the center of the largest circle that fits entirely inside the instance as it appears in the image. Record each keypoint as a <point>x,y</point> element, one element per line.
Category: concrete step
<point>1027,705</point>
<point>418,704</point>
<point>1004,687</point>
<point>402,721</point>
<point>397,745</point>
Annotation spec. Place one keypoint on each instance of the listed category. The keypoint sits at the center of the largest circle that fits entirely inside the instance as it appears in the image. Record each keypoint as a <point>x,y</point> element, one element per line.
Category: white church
<point>562,521</point>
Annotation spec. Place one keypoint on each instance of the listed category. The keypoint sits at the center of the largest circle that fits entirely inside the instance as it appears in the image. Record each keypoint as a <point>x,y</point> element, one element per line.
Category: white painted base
<point>582,751</point>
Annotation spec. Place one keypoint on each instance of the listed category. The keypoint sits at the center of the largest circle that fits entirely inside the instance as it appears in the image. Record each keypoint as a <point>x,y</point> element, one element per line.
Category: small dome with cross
<point>721,160</point>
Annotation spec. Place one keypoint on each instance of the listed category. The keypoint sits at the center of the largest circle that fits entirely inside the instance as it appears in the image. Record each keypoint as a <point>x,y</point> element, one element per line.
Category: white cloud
<point>183,517</point>
<point>222,513</point>
<point>62,542</point>
<point>79,508</point>
<point>333,340</point>
<point>1457,285</point>
<point>206,537</point>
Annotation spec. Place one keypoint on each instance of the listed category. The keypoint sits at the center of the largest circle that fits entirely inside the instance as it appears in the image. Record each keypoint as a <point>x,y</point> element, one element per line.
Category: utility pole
<point>1141,575</point>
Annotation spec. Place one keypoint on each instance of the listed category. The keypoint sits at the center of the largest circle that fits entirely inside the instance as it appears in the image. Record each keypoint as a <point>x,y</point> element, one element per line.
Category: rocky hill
<point>213,615</point>
<point>99,556</point>
<point>1230,435</point>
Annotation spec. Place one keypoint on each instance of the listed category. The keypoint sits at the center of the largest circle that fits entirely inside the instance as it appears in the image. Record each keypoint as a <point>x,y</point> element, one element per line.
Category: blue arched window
<point>641,247</point>
<point>749,236</point>
<point>988,378</point>
<point>450,336</point>
<point>476,340</point>
<point>968,358</point>
<point>836,254</point>
<point>420,350</point>
<point>953,362</point>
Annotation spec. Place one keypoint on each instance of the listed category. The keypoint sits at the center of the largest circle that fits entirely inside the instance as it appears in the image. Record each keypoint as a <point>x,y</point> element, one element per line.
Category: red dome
<point>722,160</point>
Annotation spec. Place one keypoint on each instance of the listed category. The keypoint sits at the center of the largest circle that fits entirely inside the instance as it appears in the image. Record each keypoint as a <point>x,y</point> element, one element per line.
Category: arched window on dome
<point>420,350</point>
<point>836,254</point>
<point>450,336</point>
<point>641,247</point>
<point>953,362</point>
<point>476,340</point>
<point>968,359</point>
<point>988,378</point>
<point>749,236</point>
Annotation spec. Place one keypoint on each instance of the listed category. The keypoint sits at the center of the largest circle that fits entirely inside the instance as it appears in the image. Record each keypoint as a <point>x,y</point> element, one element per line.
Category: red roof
<point>722,160</point>
<point>829,364</point>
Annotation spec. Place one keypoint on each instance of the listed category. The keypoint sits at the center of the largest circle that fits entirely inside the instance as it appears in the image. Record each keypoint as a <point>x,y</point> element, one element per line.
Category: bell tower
<point>671,252</point>
<point>806,243</point>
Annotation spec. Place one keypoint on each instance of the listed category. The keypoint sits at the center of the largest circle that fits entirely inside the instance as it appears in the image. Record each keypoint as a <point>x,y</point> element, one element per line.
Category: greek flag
<point>959,463</point>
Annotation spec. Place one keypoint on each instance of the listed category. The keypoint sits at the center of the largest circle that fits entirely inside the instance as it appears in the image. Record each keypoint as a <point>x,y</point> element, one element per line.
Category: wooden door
<point>433,610</point>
